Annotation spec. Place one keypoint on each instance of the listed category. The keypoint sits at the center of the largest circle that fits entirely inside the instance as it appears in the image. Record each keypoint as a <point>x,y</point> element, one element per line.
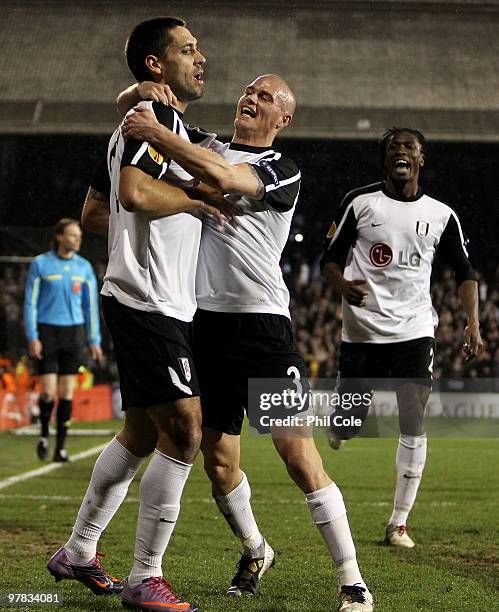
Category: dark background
<point>45,177</point>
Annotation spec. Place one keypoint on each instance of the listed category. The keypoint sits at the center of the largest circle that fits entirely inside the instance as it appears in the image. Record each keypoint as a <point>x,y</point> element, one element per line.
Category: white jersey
<point>238,267</point>
<point>391,244</point>
<point>152,260</point>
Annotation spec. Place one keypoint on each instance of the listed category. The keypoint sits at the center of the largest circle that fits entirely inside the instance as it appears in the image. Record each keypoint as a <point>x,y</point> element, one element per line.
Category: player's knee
<point>185,432</point>
<point>221,473</point>
<point>137,443</point>
<point>188,437</point>
<point>301,470</point>
<point>47,396</point>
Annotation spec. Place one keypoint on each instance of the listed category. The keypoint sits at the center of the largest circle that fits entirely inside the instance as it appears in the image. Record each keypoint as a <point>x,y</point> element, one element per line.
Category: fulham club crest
<point>186,368</point>
<point>422,228</point>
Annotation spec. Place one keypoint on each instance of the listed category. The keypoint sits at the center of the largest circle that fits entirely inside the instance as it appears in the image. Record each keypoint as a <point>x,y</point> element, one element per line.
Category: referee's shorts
<point>63,349</point>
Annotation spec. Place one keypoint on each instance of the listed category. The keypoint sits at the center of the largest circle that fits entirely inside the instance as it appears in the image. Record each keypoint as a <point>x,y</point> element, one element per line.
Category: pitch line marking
<point>11,480</point>
<point>204,500</point>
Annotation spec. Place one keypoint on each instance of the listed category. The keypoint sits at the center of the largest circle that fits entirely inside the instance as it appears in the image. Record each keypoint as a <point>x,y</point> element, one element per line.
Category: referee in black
<point>61,315</point>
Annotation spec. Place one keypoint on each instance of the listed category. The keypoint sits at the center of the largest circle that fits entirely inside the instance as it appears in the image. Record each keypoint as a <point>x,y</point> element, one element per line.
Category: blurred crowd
<point>316,312</point>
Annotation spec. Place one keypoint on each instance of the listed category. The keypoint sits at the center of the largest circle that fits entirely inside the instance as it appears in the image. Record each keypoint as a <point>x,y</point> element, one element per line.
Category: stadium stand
<point>316,313</point>
<point>355,66</point>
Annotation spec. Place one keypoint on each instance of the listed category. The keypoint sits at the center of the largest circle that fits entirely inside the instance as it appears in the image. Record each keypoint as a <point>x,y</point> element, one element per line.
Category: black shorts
<point>153,354</point>
<point>63,349</point>
<point>229,348</point>
<point>412,359</point>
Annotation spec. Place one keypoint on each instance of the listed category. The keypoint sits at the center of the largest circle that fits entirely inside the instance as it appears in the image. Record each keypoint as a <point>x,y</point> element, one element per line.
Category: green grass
<point>454,566</point>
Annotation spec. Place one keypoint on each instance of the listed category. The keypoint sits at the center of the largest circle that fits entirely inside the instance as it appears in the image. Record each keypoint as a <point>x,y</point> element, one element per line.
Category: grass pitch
<point>455,524</point>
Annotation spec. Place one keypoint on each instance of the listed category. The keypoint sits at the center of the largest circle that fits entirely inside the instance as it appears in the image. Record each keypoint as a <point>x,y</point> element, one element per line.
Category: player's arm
<point>95,213</point>
<point>205,165</point>
<point>147,90</point>
<point>31,297</point>
<point>339,240</point>
<point>452,249</point>
<point>90,303</point>
<point>141,191</point>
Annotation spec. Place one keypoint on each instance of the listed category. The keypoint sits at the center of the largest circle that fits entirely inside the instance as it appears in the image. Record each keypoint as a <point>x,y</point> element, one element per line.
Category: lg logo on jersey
<point>381,255</point>
<point>411,260</point>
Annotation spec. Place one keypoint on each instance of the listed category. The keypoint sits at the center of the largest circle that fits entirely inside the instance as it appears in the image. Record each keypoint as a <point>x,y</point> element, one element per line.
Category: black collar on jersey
<point>249,149</point>
<point>394,196</point>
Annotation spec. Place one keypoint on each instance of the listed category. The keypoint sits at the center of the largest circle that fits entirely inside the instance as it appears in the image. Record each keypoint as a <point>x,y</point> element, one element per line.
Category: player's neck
<point>181,106</point>
<point>252,140</point>
<point>406,189</point>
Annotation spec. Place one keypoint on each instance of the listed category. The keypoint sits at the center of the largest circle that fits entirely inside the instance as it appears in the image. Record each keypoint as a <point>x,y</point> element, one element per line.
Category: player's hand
<point>215,198</point>
<point>353,292</point>
<point>473,343</point>
<point>139,124</point>
<point>149,90</point>
<point>35,348</point>
<point>96,353</point>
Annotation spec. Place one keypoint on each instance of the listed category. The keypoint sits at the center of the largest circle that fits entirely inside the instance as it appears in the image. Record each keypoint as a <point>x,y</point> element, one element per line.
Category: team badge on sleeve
<point>157,157</point>
<point>186,368</point>
<point>331,231</point>
<point>422,228</point>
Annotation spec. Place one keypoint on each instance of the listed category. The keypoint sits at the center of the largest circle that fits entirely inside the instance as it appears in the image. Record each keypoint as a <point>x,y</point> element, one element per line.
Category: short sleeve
<point>341,235</point>
<point>281,179</point>
<point>144,156</point>
<point>452,250</point>
<point>100,180</point>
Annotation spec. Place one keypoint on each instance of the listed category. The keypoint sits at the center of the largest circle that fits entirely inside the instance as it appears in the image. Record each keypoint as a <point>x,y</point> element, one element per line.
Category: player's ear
<point>284,121</point>
<point>422,160</point>
<point>153,65</point>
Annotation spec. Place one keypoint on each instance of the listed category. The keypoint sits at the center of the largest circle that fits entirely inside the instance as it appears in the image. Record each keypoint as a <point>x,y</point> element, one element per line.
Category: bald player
<point>243,328</point>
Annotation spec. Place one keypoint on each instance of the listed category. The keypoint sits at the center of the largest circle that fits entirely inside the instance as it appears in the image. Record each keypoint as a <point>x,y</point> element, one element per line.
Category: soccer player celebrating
<point>60,300</point>
<point>379,257</point>
<point>148,302</point>
<point>243,328</point>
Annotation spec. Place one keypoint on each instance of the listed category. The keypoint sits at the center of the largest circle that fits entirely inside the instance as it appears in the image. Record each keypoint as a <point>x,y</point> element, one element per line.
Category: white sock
<point>236,508</point>
<point>113,472</point>
<point>160,492</point>
<point>330,516</point>
<point>411,458</point>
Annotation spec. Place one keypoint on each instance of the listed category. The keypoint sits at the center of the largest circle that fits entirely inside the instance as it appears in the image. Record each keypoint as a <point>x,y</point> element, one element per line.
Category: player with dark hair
<point>60,301</point>
<point>148,301</point>
<point>152,37</point>
<point>379,256</point>
<point>243,328</point>
<point>386,139</point>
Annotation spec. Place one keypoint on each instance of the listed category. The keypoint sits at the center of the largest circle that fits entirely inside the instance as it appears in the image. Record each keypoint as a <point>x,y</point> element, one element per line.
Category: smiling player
<point>243,328</point>
<point>379,256</point>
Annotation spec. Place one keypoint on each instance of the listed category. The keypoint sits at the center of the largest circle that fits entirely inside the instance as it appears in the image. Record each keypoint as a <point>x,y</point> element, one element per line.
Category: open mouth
<point>401,164</point>
<point>198,77</point>
<point>249,112</point>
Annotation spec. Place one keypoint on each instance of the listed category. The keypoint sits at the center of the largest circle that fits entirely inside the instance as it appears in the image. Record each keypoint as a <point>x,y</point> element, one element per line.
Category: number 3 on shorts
<point>295,373</point>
